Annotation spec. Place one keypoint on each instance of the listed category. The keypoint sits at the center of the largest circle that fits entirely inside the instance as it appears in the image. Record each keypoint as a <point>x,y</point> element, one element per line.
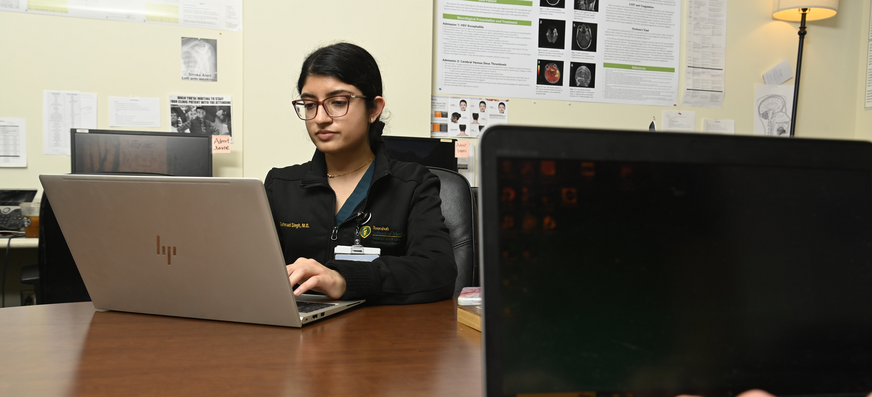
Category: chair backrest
<point>459,210</point>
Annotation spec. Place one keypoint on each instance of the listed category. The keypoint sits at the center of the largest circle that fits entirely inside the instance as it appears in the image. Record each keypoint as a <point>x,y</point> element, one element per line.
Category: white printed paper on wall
<point>134,112</point>
<point>467,117</point>
<point>674,120</point>
<point>210,14</point>
<point>13,142</point>
<point>586,50</point>
<point>62,111</point>
<point>705,53</point>
<point>202,115</point>
<point>773,109</point>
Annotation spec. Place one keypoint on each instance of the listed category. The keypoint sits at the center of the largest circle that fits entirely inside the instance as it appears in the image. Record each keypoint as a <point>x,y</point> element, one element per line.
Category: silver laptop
<point>193,247</point>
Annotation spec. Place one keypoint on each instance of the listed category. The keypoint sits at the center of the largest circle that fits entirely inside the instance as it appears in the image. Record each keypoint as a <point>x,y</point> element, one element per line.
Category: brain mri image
<point>582,76</point>
<point>583,36</point>
<point>552,3</point>
<point>587,5</point>
<point>552,33</point>
<point>552,73</point>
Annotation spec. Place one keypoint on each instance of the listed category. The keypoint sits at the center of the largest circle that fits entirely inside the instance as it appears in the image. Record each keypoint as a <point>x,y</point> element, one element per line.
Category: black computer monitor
<point>432,152</point>
<point>140,152</point>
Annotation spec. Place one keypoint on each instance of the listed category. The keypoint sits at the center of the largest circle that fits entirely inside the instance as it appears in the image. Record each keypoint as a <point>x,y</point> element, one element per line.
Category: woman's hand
<point>312,275</point>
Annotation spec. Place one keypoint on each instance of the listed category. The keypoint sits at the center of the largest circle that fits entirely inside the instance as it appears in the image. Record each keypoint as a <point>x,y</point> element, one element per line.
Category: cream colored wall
<point>755,44</point>
<point>40,52</point>
<point>279,35</point>
<point>258,68</point>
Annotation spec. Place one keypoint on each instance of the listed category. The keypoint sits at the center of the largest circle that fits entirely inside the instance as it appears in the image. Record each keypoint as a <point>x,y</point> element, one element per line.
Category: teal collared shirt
<point>356,196</point>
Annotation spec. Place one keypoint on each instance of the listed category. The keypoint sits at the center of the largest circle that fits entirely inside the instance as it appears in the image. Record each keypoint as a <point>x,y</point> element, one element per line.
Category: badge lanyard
<point>357,252</point>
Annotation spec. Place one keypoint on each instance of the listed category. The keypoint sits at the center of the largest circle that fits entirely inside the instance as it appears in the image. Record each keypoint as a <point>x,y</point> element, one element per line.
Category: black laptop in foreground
<point>632,264</point>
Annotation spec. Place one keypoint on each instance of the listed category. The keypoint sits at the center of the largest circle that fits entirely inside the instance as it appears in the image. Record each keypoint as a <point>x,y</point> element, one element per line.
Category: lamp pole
<point>801,33</point>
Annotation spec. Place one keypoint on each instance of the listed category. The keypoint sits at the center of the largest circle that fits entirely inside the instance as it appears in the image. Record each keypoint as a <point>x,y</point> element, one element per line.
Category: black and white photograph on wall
<point>201,115</point>
<point>553,3</point>
<point>552,34</point>
<point>199,59</point>
<point>583,75</point>
<point>584,36</point>
<point>549,72</point>
<point>587,5</point>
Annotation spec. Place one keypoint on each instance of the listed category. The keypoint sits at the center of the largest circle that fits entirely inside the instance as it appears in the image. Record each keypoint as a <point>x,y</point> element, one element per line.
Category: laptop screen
<point>612,270</point>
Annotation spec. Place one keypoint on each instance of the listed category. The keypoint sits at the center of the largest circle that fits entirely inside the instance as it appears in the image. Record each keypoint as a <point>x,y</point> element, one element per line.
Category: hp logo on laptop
<point>168,251</point>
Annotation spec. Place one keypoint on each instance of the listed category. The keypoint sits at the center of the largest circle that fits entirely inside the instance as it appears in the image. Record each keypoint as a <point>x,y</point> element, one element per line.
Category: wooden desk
<point>19,242</point>
<point>71,349</point>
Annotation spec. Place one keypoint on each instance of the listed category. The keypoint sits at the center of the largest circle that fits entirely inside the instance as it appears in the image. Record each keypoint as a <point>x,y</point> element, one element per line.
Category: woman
<point>352,192</point>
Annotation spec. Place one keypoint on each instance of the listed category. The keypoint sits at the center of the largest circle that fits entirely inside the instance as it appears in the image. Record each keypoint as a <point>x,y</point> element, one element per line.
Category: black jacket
<point>417,261</point>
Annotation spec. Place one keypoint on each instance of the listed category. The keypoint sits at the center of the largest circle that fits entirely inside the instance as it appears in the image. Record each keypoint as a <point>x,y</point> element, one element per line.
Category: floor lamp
<point>802,11</point>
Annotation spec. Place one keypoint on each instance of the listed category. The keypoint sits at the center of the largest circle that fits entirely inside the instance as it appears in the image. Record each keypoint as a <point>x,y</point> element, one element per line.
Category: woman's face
<point>340,135</point>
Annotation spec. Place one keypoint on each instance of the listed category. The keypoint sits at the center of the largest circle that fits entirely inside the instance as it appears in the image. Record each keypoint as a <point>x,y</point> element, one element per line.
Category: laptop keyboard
<point>308,307</point>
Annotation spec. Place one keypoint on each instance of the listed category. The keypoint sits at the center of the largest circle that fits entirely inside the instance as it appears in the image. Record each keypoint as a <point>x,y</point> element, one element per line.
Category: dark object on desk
<point>668,264</point>
<point>459,210</point>
<point>432,152</point>
<point>55,278</point>
<point>10,212</point>
<point>17,196</point>
<point>140,152</point>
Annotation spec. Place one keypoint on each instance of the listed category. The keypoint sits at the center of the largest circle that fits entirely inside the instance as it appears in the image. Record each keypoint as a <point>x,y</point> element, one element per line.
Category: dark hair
<point>463,101</point>
<point>475,116</point>
<point>483,103</point>
<point>353,65</point>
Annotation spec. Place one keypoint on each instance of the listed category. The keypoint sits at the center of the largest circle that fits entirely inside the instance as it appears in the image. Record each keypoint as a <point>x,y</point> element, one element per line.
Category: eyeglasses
<point>335,106</point>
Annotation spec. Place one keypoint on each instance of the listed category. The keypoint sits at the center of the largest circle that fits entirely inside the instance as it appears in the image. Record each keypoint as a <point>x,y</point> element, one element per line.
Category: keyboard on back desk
<point>308,307</point>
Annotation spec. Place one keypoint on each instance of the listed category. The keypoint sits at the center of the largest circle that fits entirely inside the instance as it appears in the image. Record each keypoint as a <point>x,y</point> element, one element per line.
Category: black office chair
<point>460,212</point>
<point>55,278</point>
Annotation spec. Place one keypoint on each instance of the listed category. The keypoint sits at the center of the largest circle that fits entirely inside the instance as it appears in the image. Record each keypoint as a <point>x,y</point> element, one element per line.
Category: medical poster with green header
<point>618,51</point>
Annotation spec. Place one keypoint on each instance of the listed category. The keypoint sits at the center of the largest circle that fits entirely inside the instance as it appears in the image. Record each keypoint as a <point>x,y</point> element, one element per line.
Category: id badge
<point>357,253</point>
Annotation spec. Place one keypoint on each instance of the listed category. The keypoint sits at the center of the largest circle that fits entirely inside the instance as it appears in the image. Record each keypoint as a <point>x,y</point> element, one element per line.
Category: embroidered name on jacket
<point>385,237</point>
<point>293,225</point>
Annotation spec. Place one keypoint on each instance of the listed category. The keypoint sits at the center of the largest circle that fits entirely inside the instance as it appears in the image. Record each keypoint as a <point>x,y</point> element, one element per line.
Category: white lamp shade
<point>789,10</point>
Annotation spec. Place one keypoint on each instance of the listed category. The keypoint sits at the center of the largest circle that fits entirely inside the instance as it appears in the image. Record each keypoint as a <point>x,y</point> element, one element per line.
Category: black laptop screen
<point>140,152</point>
<point>654,278</point>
